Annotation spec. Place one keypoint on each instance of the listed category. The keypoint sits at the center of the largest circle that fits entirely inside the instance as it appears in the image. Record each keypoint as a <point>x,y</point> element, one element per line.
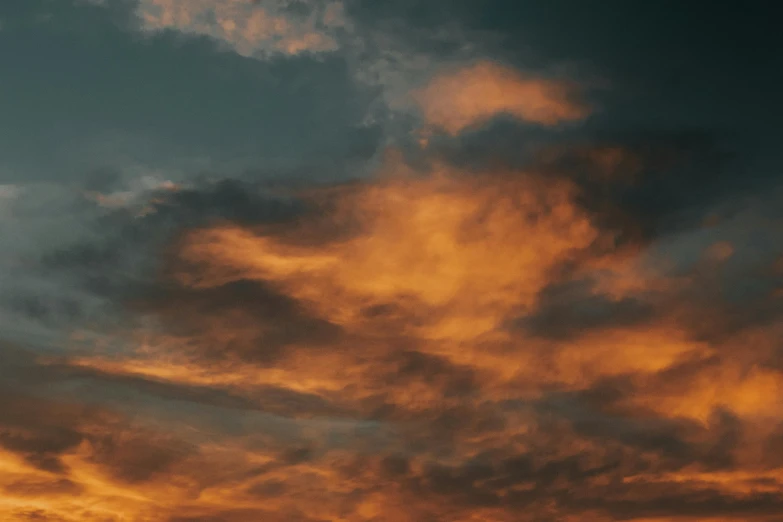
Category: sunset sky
<point>391,261</point>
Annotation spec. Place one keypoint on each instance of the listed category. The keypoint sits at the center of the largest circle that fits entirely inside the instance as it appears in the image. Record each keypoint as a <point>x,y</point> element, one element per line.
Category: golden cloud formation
<point>447,345</point>
<point>471,95</point>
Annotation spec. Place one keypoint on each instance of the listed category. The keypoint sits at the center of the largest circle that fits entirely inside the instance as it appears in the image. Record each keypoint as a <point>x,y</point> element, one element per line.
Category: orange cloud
<point>248,27</point>
<point>459,99</point>
<point>720,251</point>
<point>463,251</point>
<point>376,359</point>
<point>441,263</point>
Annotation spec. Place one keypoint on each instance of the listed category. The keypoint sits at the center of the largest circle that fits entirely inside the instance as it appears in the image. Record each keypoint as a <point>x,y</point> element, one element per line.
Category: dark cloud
<point>43,430</point>
<point>240,515</point>
<point>272,321</point>
<point>643,183</point>
<point>271,399</point>
<point>570,309</point>
<point>453,380</point>
<point>136,457</point>
<point>114,254</point>
<point>28,488</point>
<point>697,503</point>
<point>38,430</point>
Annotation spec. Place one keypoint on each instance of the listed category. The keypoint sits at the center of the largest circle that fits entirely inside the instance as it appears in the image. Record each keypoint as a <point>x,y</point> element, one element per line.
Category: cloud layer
<point>525,317</point>
<point>433,344</point>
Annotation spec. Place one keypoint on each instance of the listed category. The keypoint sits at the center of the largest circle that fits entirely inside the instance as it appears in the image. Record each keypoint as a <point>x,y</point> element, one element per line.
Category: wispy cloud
<point>250,27</point>
<point>472,95</point>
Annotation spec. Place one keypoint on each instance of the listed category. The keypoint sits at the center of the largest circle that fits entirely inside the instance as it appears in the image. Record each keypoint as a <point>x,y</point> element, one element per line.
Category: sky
<point>356,261</point>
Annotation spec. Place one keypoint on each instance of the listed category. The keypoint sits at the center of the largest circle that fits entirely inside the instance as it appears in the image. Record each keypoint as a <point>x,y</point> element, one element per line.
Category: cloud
<point>66,460</point>
<point>77,254</point>
<point>472,95</point>
<point>391,62</point>
<point>444,243</point>
<point>501,327</point>
<point>475,404</point>
<point>434,343</point>
<point>249,27</point>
